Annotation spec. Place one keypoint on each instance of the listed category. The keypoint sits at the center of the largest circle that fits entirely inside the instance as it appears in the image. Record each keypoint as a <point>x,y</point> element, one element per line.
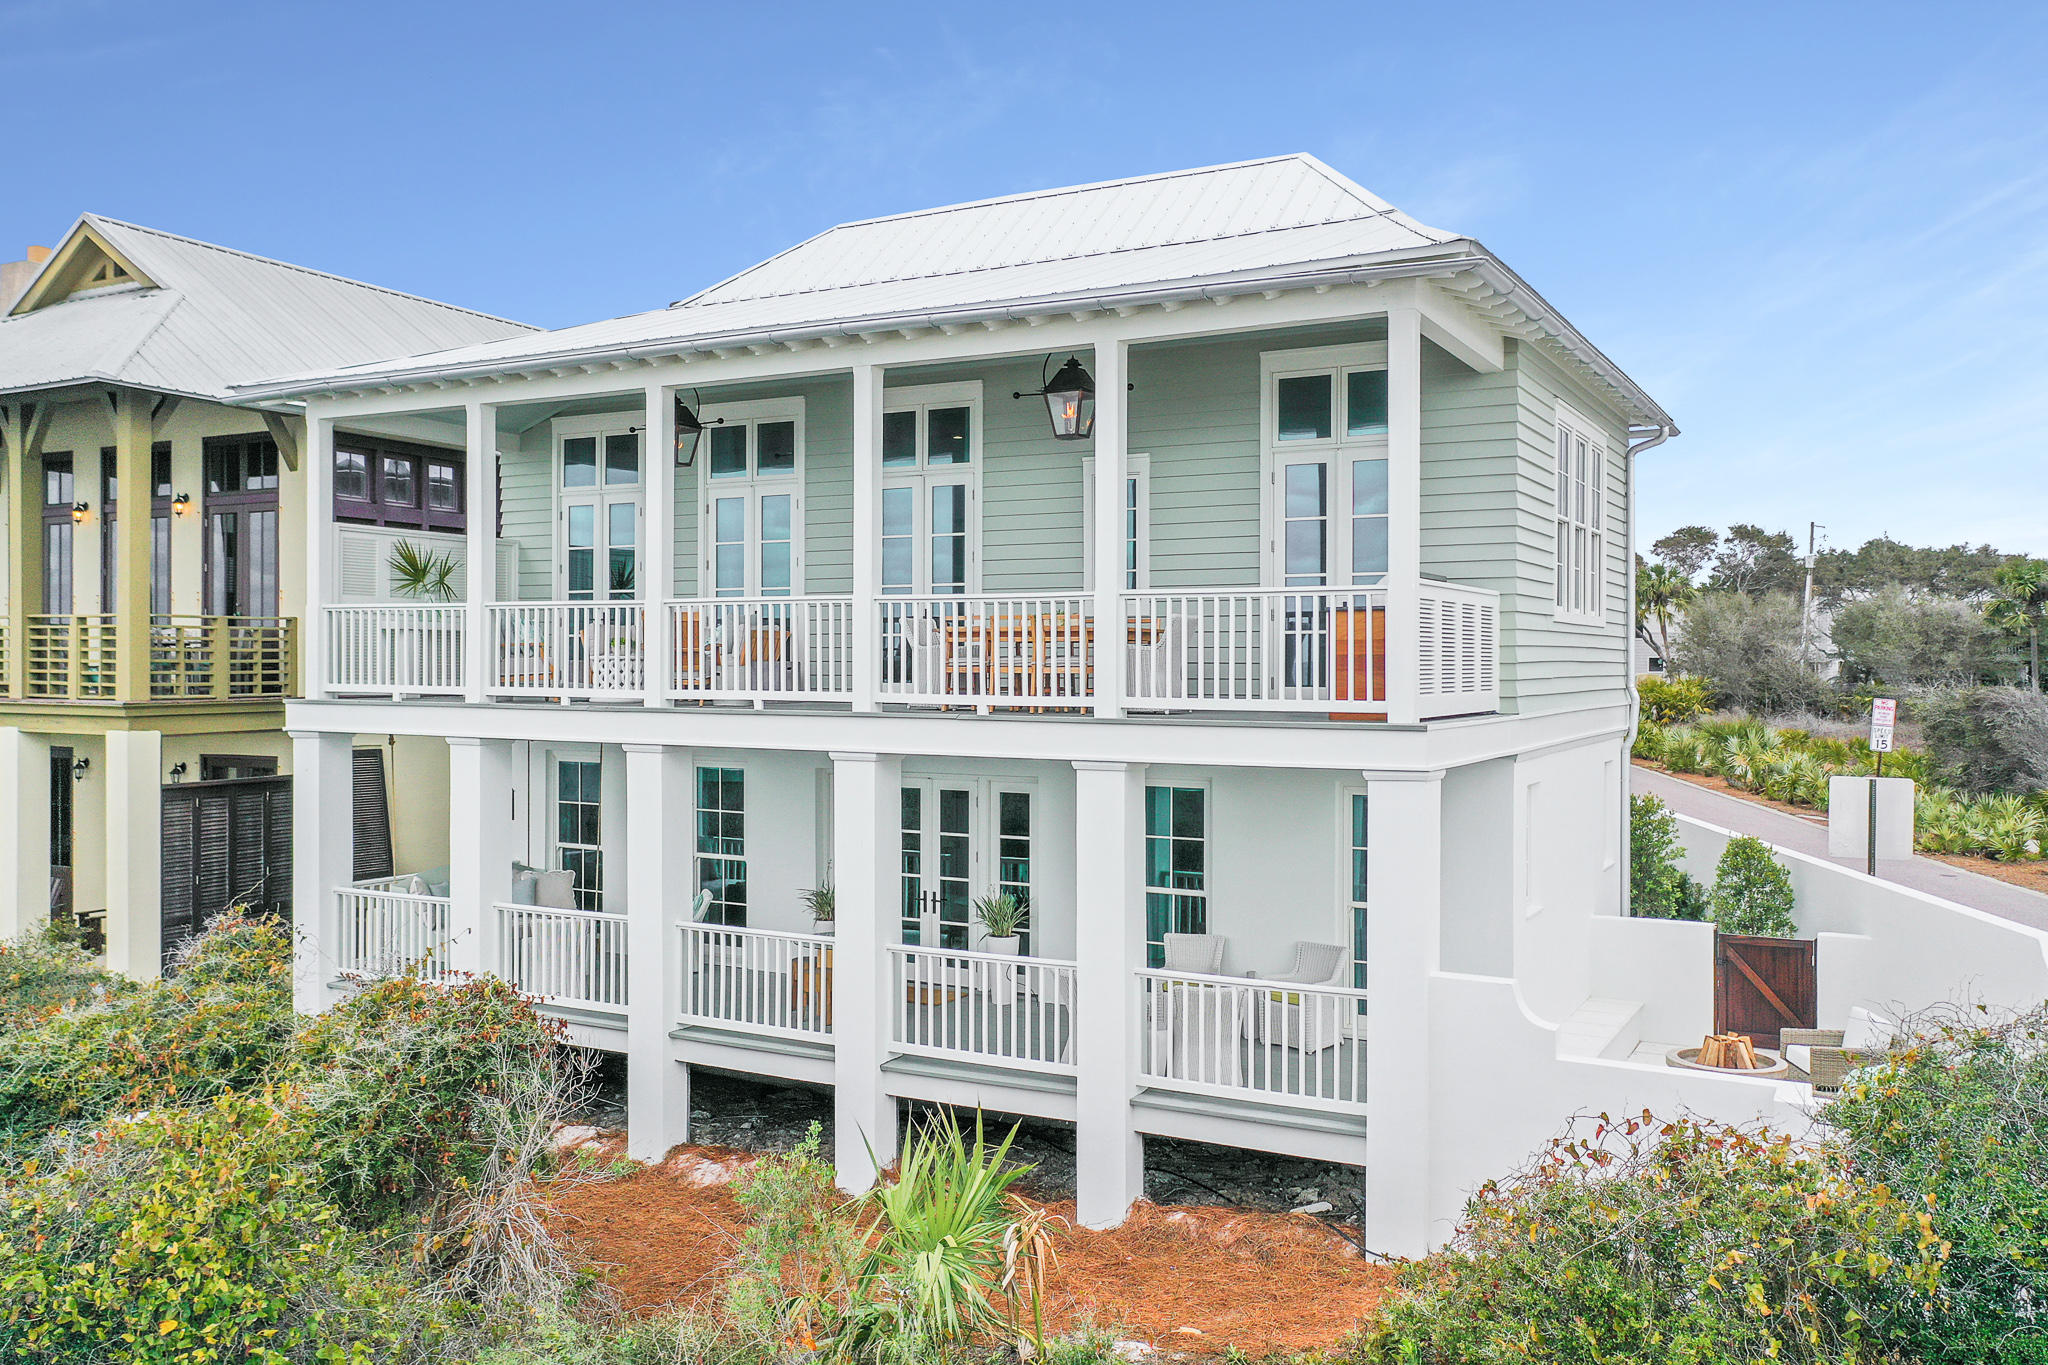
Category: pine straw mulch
<point>2032,876</point>
<point>1192,1281</point>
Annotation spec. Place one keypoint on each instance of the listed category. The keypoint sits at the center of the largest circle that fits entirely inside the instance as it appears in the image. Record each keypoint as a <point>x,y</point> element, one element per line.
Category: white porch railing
<point>757,981</point>
<point>1263,649</point>
<point>568,649</point>
<point>386,932</point>
<point>761,649</point>
<point>988,651</point>
<point>397,649</point>
<point>1458,630</point>
<point>987,1007</point>
<point>565,957</point>
<point>1241,1038</point>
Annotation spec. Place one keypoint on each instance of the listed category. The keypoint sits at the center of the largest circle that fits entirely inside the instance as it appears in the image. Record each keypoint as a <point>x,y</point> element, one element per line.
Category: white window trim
<point>1570,421</point>
<point>544,825</point>
<point>1207,786</point>
<point>599,425</point>
<point>965,393</point>
<point>751,484</point>
<point>1138,467</point>
<point>1273,452</point>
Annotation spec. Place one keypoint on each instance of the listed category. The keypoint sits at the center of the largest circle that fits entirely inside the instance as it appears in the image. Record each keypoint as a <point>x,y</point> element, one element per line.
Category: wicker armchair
<point>1821,1056</point>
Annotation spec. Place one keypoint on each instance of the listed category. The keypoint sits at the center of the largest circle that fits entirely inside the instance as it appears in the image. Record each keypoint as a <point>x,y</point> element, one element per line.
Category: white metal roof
<point>211,318</point>
<point>1156,236</point>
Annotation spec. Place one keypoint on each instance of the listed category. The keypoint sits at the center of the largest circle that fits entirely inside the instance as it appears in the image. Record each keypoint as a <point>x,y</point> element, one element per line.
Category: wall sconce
<point>178,772</point>
<point>78,767</point>
<point>181,503</point>
<point>689,430</point>
<point>78,511</point>
<point>1069,400</point>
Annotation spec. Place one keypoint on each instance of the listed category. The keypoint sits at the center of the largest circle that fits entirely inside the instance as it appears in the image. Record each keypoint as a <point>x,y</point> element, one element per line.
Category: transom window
<point>752,532</point>
<point>1176,866</point>
<point>1580,521</point>
<point>398,485</point>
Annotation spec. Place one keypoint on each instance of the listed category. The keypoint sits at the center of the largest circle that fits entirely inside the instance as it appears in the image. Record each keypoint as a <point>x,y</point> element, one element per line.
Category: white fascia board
<point>1386,750</point>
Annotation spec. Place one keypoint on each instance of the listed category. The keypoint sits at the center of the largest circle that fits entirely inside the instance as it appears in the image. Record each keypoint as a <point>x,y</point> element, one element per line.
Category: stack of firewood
<point>1731,1050</point>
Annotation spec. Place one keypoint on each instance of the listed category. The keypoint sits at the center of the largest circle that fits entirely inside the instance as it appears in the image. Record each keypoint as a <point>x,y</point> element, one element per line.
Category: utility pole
<point>1813,529</point>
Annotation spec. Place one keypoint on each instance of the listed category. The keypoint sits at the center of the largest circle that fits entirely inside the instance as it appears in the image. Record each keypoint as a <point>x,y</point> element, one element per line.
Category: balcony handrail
<point>383,930</point>
<point>1315,648</point>
<point>760,981</point>
<point>1281,1042</point>
<point>1263,982</point>
<point>991,1008</point>
<point>396,648</point>
<point>573,958</point>
<point>1015,649</point>
<point>761,648</point>
<point>546,649</point>
<point>973,955</point>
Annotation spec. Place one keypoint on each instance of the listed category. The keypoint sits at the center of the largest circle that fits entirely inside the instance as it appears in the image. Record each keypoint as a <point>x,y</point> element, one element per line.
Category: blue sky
<point>1816,233</point>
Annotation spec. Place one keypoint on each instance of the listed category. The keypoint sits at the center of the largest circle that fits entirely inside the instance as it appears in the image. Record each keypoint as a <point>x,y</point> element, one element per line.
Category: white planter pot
<point>1002,947</point>
<point>823,927</point>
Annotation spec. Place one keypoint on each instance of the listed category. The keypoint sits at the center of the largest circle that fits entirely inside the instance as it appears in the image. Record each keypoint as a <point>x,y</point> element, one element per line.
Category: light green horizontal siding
<point>1195,411</point>
<point>527,508</point>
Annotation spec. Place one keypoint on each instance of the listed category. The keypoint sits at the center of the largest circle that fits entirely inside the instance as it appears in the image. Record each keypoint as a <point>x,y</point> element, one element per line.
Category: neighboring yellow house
<point>147,658</point>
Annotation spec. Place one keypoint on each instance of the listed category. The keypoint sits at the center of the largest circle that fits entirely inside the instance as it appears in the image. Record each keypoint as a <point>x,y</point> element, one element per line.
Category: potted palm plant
<point>420,574</point>
<point>1001,917</point>
<point>823,904</point>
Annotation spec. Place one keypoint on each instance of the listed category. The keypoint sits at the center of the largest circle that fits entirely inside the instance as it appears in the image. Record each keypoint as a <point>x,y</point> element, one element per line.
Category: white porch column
<point>319,557</point>
<point>1404,512</point>
<point>481,562</point>
<point>135,843</point>
<point>1112,463</point>
<point>867,798</point>
<point>323,859</point>
<point>658,855</point>
<point>1404,832</point>
<point>484,785</point>
<point>24,831</point>
<point>1109,946</point>
<point>658,555</point>
<point>867,534</point>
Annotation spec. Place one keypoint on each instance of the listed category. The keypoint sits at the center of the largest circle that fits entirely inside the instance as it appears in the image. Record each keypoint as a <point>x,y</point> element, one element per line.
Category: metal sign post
<point>1884,714</point>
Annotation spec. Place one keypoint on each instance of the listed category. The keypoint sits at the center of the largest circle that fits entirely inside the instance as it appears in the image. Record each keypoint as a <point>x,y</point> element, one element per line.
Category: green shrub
<point>187,1236</point>
<point>1985,740</point>
<point>1673,699</point>
<point>401,1080</point>
<point>1648,743</point>
<point>1681,1244</point>
<point>45,970</point>
<point>1752,891</point>
<point>220,1021</point>
<point>1956,1120</point>
<point>1658,888</point>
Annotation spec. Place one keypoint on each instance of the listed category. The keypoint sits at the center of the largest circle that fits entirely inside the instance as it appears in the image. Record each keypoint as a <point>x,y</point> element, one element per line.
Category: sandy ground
<point>1193,1281</point>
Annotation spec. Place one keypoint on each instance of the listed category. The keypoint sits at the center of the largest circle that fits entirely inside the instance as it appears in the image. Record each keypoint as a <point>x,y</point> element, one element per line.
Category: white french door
<point>601,515</point>
<point>928,539</point>
<point>1330,513</point>
<point>962,839</point>
<point>751,550</point>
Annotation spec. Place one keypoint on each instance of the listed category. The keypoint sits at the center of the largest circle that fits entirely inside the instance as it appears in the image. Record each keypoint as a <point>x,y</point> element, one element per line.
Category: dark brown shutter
<point>372,817</point>
<point>180,865</point>
<point>277,846</point>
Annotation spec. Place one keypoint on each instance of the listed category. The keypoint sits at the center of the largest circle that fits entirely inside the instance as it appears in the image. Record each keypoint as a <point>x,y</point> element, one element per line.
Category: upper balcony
<point>77,657</point>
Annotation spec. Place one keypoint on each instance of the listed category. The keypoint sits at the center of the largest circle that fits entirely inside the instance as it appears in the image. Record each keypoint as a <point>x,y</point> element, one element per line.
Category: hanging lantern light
<point>1069,401</point>
<point>689,430</point>
<point>79,510</point>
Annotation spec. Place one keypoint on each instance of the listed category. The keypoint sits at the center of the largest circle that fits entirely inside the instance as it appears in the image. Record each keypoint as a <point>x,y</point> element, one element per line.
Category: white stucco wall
<point>1567,870</point>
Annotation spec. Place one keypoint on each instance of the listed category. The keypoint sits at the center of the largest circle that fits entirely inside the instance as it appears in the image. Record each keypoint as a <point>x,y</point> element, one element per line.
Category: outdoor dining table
<point>1028,654</point>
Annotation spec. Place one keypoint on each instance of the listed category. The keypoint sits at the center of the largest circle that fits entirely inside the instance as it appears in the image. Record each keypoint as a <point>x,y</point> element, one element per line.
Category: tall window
<point>1581,521</point>
<point>931,442</point>
<point>753,504</point>
<point>159,526</point>
<point>722,843</point>
<point>601,513</point>
<point>1176,866</point>
<point>59,492</point>
<point>579,827</point>
<point>390,484</point>
<point>1137,518</point>
<point>1358,892</point>
<point>241,526</point>
<point>1013,854</point>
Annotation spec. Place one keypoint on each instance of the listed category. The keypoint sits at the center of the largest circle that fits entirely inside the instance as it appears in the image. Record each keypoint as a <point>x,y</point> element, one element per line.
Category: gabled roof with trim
<point>1287,221</point>
<point>191,318</point>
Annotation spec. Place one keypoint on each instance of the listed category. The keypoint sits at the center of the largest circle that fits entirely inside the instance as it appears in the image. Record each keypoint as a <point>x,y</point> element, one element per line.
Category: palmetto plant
<point>2019,607</point>
<point>424,575</point>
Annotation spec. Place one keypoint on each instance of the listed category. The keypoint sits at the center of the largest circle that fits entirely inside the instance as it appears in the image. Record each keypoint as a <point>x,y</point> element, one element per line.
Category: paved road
<point>1809,834</point>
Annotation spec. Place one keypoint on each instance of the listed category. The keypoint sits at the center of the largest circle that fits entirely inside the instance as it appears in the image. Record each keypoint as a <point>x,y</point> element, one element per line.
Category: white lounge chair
<point>1299,1019</point>
<point>1196,954</point>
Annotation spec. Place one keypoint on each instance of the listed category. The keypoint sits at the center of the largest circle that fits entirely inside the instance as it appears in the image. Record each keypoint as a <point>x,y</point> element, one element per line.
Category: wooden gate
<point>1762,985</point>
<point>224,843</point>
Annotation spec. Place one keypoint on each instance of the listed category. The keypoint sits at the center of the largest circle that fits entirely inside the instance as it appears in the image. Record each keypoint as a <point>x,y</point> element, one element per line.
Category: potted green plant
<point>421,574</point>
<point>1001,917</point>
<point>822,903</point>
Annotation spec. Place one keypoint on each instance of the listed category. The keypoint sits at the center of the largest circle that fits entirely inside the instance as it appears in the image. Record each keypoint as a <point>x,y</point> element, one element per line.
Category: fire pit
<point>1731,1054</point>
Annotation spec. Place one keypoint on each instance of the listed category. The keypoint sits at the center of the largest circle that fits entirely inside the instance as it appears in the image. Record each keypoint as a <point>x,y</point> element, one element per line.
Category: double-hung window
<point>931,459</point>
<point>1356,868</point>
<point>1176,866</point>
<point>722,844</point>
<point>752,532</point>
<point>1581,521</point>
<point>579,824</point>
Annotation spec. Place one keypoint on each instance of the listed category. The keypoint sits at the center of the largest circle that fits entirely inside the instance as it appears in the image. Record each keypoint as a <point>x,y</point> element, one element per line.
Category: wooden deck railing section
<point>191,658</point>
